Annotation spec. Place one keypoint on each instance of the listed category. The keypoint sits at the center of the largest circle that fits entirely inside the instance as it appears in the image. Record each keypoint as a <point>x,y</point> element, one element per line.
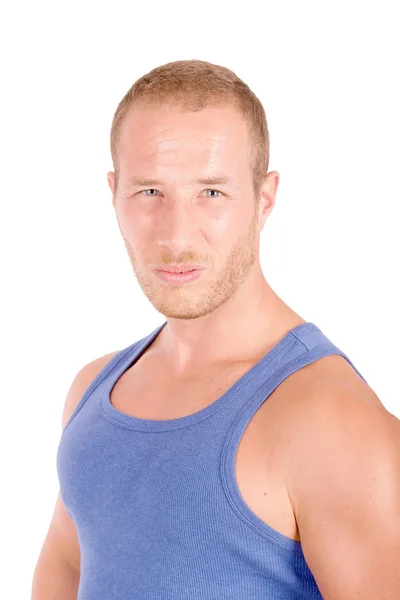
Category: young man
<point>235,451</point>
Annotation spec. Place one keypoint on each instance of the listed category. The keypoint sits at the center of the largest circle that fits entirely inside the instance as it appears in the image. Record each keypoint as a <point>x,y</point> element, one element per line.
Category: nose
<point>178,227</point>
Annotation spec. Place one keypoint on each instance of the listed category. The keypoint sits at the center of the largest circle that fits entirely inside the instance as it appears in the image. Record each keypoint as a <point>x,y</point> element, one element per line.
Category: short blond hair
<point>194,85</point>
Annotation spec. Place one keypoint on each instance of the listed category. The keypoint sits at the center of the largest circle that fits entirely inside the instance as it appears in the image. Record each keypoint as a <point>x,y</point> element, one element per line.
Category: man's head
<point>183,122</point>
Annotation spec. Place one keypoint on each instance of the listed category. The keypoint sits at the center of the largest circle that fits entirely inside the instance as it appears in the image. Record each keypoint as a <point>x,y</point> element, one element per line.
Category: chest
<point>262,455</point>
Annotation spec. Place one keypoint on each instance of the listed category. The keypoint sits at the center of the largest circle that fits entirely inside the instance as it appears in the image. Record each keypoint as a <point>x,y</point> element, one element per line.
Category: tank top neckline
<point>126,359</point>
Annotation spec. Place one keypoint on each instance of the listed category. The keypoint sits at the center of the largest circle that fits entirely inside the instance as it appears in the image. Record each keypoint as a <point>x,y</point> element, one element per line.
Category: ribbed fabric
<point>155,502</point>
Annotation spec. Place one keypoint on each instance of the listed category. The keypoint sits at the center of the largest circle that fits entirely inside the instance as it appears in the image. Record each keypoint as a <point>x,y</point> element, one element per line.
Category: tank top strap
<point>113,369</point>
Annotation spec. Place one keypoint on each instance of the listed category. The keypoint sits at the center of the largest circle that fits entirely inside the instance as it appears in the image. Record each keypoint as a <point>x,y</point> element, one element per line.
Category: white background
<point>327,75</point>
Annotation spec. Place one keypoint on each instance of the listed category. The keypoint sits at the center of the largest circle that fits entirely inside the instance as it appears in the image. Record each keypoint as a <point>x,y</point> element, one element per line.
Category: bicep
<point>344,483</point>
<point>62,537</point>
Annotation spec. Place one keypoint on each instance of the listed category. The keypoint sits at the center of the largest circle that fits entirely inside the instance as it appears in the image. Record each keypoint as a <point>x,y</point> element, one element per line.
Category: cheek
<point>228,225</point>
<point>134,224</point>
<point>131,234</point>
<point>220,219</point>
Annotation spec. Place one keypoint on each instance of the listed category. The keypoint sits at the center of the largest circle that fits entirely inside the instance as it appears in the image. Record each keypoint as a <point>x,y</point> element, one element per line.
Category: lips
<point>177,270</point>
<point>177,278</point>
<point>181,269</point>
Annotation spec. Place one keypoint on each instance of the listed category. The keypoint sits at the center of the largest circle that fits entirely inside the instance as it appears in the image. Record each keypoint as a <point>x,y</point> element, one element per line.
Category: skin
<point>230,309</point>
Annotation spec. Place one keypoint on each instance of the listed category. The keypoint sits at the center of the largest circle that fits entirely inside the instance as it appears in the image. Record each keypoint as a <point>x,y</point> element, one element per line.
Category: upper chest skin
<point>147,391</point>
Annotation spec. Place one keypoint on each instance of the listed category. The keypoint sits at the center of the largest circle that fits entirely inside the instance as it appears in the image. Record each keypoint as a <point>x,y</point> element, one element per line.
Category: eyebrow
<point>219,179</point>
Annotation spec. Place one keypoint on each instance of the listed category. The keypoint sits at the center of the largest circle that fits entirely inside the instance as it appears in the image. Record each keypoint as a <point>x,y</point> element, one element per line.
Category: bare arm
<point>345,485</point>
<point>57,572</point>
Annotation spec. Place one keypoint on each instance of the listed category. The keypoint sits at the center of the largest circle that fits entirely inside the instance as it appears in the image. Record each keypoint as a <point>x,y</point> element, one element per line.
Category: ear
<point>267,197</point>
<point>111,182</point>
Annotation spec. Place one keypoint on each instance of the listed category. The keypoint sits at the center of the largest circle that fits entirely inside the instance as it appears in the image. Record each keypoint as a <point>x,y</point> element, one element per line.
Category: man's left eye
<point>211,190</point>
<point>149,190</point>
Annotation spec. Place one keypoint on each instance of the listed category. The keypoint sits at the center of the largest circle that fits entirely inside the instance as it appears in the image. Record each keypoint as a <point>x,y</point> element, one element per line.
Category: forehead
<point>157,136</point>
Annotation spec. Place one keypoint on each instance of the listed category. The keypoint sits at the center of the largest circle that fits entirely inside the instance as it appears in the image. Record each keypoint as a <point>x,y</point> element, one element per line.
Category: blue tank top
<point>155,503</point>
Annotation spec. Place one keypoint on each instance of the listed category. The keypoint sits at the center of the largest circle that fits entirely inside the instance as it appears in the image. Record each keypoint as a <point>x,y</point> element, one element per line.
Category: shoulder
<point>342,438</point>
<point>91,369</point>
<point>81,382</point>
<point>331,401</point>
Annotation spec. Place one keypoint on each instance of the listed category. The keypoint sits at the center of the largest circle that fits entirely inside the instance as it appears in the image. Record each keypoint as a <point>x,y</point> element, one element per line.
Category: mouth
<point>178,277</point>
<point>179,268</point>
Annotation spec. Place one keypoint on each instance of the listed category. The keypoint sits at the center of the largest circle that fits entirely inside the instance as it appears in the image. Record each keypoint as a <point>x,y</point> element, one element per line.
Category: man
<point>235,451</point>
